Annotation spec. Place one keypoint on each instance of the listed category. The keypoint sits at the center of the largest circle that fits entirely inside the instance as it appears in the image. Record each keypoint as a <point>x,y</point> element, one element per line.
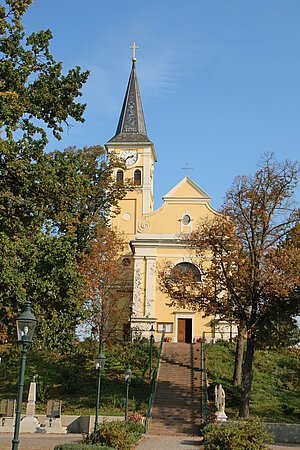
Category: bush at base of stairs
<point>120,435</point>
<point>81,447</point>
<point>240,435</point>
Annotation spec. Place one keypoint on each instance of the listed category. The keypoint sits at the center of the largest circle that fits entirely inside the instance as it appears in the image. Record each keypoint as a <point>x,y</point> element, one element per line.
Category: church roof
<point>131,127</point>
<point>188,191</point>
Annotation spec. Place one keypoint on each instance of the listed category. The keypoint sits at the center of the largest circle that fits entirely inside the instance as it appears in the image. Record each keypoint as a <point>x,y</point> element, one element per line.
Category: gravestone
<point>54,408</point>
<point>30,409</point>
<point>7,415</point>
<point>29,423</point>
<point>8,407</point>
<point>53,419</point>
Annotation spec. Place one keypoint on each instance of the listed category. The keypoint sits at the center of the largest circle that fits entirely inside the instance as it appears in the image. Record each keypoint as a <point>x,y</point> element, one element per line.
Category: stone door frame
<point>180,315</point>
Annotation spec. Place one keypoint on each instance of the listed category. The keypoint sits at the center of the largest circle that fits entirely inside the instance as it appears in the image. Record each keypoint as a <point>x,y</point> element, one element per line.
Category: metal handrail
<point>151,399</point>
<point>204,381</point>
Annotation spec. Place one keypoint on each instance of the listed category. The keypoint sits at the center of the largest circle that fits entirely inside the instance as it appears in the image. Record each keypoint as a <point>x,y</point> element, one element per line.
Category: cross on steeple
<point>186,168</point>
<point>134,47</point>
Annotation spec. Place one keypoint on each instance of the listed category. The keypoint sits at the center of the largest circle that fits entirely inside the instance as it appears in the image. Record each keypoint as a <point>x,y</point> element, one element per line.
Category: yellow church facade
<point>153,235</point>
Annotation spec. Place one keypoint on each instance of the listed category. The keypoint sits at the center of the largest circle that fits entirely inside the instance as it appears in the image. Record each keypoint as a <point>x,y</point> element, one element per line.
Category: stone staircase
<point>177,404</point>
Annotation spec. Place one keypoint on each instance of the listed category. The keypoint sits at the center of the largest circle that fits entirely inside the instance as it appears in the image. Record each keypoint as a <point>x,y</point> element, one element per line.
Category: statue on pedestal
<point>220,403</point>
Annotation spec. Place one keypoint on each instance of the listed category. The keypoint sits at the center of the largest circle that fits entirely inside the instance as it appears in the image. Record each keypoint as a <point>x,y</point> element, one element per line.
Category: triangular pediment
<point>186,190</point>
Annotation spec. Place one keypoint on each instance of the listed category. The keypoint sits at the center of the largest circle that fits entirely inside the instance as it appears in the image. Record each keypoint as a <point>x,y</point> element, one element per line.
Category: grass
<point>275,395</point>
<point>73,378</point>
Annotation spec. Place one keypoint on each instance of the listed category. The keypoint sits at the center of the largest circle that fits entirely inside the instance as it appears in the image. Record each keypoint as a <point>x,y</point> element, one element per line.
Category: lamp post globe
<point>100,363</point>
<point>128,374</point>
<point>26,323</point>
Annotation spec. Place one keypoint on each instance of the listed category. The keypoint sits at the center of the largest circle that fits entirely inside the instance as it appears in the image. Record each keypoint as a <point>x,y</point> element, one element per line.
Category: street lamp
<point>151,349</point>
<point>100,363</point>
<point>26,323</point>
<point>128,374</point>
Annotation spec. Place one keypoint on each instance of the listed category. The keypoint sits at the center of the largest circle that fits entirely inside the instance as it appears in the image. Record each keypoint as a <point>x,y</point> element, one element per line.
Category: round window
<point>186,220</point>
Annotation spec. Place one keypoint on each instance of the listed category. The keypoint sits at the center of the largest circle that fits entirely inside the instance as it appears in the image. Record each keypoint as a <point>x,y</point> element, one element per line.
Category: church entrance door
<point>184,330</point>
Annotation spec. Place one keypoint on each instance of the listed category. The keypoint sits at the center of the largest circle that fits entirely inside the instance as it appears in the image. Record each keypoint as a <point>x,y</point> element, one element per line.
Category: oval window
<point>186,220</point>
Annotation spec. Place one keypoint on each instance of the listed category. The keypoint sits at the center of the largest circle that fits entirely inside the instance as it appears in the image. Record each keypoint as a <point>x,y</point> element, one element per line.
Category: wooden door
<point>181,330</point>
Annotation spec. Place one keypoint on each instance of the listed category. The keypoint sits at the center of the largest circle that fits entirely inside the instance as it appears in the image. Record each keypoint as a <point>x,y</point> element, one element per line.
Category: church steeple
<point>132,144</point>
<point>131,127</point>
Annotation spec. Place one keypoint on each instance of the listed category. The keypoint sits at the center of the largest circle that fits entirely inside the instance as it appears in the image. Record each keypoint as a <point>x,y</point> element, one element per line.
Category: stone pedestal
<point>221,417</point>
<point>7,424</point>
<point>53,425</point>
<point>29,424</point>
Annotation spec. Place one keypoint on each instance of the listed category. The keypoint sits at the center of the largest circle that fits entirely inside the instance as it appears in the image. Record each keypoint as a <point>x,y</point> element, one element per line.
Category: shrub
<point>81,447</point>
<point>240,435</point>
<point>134,417</point>
<point>117,434</point>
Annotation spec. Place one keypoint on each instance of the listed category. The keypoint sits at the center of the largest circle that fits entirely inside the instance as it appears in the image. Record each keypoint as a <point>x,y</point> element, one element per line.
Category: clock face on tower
<point>130,157</point>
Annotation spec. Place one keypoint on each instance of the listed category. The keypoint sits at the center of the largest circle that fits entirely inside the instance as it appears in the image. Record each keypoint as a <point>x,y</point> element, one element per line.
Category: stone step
<point>176,409</point>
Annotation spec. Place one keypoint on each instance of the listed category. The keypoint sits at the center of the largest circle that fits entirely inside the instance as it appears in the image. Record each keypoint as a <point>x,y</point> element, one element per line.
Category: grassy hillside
<point>275,393</point>
<point>73,378</point>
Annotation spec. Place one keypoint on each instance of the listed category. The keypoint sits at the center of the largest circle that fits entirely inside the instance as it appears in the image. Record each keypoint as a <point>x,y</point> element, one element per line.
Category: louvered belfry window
<point>137,178</point>
<point>120,176</point>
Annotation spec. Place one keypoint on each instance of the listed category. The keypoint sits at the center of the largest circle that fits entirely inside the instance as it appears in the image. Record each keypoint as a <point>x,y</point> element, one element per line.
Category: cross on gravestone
<point>8,407</point>
<point>54,408</point>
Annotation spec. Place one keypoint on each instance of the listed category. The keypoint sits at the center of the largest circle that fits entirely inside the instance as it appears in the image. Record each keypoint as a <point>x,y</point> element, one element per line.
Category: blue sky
<point>219,79</point>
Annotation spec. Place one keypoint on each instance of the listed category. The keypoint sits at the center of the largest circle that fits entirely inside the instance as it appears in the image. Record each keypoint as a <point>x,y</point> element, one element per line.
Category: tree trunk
<point>247,377</point>
<point>239,353</point>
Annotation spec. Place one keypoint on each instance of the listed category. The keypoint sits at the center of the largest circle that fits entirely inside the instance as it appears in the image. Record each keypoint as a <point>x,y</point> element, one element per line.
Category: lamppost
<point>100,363</point>
<point>128,374</point>
<point>151,349</point>
<point>26,323</point>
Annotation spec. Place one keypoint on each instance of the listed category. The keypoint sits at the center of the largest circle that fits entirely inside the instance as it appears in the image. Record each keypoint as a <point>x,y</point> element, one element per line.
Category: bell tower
<point>132,144</point>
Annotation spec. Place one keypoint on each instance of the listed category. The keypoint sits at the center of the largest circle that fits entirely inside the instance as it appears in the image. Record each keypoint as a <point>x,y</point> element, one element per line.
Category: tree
<point>249,269</point>
<point>49,202</point>
<point>76,190</point>
<point>280,329</point>
<point>107,281</point>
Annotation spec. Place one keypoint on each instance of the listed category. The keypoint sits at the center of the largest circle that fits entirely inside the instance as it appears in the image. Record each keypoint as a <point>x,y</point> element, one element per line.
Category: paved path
<point>36,441</point>
<point>284,446</point>
<point>148,442</point>
<point>153,442</point>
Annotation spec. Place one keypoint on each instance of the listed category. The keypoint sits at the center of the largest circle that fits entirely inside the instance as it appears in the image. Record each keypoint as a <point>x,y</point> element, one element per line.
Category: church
<point>152,235</point>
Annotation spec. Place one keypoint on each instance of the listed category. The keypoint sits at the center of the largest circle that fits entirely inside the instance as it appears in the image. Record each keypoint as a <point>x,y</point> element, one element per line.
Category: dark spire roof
<point>131,126</point>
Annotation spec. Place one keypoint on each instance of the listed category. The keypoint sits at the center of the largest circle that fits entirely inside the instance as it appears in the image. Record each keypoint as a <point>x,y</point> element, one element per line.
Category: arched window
<point>186,268</point>
<point>137,177</point>
<point>120,176</point>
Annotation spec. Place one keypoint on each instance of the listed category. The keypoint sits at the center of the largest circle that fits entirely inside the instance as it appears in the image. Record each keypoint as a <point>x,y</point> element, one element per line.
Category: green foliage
<point>33,88</point>
<point>249,435</point>
<point>81,447</point>
<point>49,202</point>
<point>120,435</point>
<point>275,391</point>
<point>73,378</point>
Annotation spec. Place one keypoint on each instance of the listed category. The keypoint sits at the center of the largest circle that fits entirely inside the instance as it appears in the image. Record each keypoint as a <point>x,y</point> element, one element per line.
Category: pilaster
<point>150,285</point>
<point>137,287</point>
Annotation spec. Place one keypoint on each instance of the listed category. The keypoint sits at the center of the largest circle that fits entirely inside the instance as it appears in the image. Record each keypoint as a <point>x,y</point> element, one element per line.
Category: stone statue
<point>220,402</point>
